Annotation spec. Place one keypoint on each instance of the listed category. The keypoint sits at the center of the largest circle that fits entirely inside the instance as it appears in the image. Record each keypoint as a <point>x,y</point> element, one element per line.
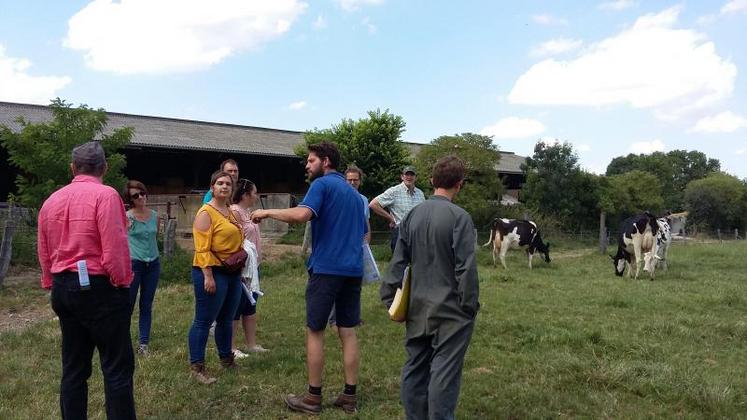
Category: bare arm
<point>376,207</point>
<point>293,215</point>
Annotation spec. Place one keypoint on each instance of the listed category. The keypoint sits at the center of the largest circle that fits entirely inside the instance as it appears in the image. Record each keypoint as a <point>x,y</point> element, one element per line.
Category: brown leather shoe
<point>347,402</point>
<point>306,403</point>
<point>200,374</point>
<point>229,363</point>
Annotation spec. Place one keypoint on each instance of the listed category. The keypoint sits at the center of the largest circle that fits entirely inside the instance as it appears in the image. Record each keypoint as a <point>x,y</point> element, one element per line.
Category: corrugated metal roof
<point>172,133</point>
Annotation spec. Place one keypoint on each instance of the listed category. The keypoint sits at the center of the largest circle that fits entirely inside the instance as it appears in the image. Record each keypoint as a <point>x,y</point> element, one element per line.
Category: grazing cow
<point>512,233</point>
<point>637,236</point>
<point>663,242</point>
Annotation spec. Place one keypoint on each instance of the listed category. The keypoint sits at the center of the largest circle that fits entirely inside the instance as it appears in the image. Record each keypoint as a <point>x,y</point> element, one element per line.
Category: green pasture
<point>565,340</point>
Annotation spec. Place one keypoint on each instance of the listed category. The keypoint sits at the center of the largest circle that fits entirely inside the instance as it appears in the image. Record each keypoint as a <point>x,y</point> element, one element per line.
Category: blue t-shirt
<point>208,196</point>
<point>337,226</point>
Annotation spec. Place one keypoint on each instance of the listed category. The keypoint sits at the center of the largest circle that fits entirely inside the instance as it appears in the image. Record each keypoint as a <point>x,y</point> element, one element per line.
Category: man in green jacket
<point>437,240</point>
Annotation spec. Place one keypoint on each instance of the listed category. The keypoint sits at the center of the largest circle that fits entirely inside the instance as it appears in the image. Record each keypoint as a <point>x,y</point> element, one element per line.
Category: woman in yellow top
<point>217,235</point>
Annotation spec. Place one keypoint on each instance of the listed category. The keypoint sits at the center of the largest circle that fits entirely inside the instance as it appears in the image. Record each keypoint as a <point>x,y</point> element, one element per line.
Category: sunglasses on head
<point>137,195</point>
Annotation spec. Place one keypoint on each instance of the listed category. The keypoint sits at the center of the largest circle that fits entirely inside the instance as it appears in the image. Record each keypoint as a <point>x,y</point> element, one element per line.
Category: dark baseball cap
<point>407,169</point>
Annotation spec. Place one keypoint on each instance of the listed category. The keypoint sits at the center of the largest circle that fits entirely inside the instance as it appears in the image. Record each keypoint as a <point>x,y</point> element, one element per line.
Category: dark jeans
<point>432,374</point>
<point>219,307</point>
<point>96,318</point>
<point>393,239</point>
<point>146,280</point>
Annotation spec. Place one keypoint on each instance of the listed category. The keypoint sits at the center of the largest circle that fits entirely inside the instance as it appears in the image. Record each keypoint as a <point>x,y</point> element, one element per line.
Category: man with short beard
<point>335,270</point>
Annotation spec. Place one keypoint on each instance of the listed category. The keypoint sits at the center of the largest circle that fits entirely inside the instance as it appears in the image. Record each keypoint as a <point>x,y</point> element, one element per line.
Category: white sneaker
<point>238,354</point>
<point>257,349</point>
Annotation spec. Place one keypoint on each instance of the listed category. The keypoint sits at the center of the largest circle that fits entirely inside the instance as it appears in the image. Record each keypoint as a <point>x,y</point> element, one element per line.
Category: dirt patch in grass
<point>22,301</point>
<point>274,252</point>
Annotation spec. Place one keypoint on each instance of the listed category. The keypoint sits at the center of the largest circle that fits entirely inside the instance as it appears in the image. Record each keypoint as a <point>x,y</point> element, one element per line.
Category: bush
<point>24,249</point>
<point>177,268</point>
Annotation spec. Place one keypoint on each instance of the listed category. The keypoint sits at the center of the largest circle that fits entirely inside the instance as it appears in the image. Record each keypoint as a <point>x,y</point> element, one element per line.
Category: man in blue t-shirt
<point>335,269</point>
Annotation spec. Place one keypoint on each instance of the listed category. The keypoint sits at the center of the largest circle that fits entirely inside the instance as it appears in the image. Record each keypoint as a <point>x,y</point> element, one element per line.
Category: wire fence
<point>22,249</point>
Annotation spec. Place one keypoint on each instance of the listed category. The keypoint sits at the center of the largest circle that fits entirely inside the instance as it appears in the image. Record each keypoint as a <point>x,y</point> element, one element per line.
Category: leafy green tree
<point>557,187</point>
<point>483,189</point>
<point>372,143</point>
<point>42,151</point>
<point>674,169</point>
<point>630,193</point>
<point>718,201</point>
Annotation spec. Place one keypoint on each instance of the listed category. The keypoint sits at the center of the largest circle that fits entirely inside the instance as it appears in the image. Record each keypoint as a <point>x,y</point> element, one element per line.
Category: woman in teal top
<point>142,229</point>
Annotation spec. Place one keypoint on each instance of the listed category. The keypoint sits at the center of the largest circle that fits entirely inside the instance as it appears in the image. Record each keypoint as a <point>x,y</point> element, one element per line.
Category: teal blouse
<point>141,237</point>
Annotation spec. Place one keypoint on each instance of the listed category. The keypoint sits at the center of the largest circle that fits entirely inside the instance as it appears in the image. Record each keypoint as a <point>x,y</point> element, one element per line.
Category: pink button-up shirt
<point>84,220</point>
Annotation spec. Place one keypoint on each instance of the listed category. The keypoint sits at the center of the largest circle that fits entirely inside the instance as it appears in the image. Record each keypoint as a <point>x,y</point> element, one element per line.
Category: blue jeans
<point>219,307</point>
<point>146,280</point>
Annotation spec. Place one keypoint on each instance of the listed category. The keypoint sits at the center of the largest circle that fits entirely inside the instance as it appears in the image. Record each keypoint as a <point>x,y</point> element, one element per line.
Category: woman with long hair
<point>244,197</point>
<point>217,237</point>
<point>142,230</point>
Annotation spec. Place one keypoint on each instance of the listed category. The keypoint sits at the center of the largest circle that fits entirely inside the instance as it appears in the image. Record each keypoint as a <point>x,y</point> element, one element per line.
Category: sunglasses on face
<point>138,195</point>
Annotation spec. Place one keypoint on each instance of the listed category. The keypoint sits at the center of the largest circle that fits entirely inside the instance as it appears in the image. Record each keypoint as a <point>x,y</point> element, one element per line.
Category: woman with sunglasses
<point>142,229</point>
<point>244,197</point>
<point>217,237</point>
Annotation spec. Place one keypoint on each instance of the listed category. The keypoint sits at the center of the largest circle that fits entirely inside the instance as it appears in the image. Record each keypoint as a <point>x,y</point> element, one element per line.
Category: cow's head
<point>618,261</point>
<point>542,247</point>
<point>650,260</point>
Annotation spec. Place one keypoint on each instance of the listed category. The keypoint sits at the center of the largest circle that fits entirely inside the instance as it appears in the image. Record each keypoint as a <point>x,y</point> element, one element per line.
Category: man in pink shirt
<point>85,260</point>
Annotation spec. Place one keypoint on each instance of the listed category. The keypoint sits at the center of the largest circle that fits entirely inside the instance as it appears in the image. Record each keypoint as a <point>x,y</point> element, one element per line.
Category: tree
<point>718,201</point>
<point>556,186</point>
<point>373,144</point>
<point>674,170</point>
<point>630,193</point>
<point>483,189</point>
<point>42,151</point>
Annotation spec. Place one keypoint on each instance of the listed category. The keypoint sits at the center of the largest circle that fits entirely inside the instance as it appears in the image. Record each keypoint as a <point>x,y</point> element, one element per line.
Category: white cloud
<point>297,105</point>
<point>647,147</point>
<point>548,19</point>
<point>165,36</point>
<point>513,128</point>
<point>617,5</point>
<point>650,65</point>
<point>741,151</point>
<point>17,85</point>
<point>555,46</point>
<point>320,22</point>
<point>730,8</point>
<point>725,122</point>
<point>366,22</point>
<point>583,147</point>
<point>734,6</point>
<point>353,5</point>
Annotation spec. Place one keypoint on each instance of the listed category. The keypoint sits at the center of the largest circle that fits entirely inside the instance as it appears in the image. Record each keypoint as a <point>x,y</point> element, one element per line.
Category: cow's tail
<point>490,239</point>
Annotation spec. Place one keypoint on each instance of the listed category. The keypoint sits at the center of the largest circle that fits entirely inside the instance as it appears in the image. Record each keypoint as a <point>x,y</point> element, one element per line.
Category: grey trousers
<point>432,375</point>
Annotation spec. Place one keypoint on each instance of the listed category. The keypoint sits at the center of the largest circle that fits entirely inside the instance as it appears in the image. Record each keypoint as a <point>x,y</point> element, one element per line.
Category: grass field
<point>568,339</point>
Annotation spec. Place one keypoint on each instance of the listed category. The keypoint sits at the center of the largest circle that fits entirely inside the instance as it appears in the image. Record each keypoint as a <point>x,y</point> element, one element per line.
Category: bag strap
<point>233,222</point>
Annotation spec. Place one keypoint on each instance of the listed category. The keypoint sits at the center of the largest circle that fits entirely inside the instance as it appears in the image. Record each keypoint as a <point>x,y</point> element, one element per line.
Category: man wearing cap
<point>85,261</point>
<point>399,200</point>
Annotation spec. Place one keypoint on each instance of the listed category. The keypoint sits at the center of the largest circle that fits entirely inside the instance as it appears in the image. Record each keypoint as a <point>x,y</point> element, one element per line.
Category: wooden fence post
<point>169,238</point>
<point>6,247</point>
<point>736,234</point>
<point>602,233</point>
<point>306,239</point>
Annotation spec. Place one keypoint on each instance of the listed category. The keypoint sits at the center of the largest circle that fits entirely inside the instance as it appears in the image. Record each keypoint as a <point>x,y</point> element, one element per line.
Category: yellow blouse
<point>222,239</point>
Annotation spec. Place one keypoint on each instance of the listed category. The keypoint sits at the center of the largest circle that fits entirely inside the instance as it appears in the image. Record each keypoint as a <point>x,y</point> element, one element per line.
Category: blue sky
<point>609,76</point>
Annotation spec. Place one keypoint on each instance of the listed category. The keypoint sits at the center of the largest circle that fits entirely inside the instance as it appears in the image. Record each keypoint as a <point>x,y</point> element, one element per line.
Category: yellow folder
<point>398,310</point>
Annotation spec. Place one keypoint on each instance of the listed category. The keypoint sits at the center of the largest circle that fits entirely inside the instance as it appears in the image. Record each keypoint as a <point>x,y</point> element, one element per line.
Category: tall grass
<point>567,339</point>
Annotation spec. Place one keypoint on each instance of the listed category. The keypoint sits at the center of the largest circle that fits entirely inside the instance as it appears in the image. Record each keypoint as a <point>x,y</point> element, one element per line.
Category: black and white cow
<point>663,242</point>
<point>637,236</point>
<point>512,233</point>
